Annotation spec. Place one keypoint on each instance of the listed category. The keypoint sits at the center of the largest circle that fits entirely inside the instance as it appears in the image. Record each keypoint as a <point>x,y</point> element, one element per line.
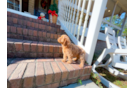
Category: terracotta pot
<point>52,19</point>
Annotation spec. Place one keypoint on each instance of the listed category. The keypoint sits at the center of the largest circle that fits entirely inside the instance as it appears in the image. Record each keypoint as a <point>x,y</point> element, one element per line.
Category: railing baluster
<point>67,11</point>
<point>60,10</point>
<point>81,16</point>
<point>65,4</point>
<point>85,22</point>
<point>70,19</point>
<point>69,15</point>
<point>73,21</point>
<point>77,16</point>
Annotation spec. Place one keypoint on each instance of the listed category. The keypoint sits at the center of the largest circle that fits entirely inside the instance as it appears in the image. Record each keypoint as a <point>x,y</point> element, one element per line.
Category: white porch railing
<point>71,22</point>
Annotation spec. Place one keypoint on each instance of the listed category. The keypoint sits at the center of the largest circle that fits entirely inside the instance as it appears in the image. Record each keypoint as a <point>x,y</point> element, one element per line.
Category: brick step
<point>29,23</point>
<point>35,26</point>
<point>45,28</point>
<point>13,15</point>
<point>31,34</point>
<point>44,73</point>
<point>32,49</point>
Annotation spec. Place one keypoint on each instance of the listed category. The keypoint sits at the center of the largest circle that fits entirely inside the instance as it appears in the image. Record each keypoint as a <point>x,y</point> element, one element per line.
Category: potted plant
<point>53,11</point>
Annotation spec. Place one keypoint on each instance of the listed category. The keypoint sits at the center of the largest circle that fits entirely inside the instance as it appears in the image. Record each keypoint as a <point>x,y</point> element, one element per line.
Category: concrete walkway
<point>85,84</point>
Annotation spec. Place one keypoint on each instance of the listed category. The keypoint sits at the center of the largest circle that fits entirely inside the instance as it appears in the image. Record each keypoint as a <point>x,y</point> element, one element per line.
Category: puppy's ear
<point>65,42</point>
<point>60,39</point>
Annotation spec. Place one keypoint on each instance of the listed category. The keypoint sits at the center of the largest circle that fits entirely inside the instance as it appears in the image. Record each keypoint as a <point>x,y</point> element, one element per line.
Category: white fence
<point>71,16</point>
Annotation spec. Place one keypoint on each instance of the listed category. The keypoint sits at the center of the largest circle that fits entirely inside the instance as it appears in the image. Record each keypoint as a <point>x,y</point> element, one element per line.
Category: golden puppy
<point>70,50</point>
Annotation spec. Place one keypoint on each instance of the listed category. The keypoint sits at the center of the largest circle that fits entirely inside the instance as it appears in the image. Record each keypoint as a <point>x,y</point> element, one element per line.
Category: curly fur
<point>70,50</point>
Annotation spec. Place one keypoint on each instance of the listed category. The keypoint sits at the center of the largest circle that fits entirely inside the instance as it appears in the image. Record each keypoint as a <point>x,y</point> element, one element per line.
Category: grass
<point>96,79</point>
<point>125,72</point>
<point>115,80</point>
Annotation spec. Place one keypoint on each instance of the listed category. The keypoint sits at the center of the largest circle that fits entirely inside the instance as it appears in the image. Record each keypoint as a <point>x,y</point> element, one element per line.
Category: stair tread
<point>28,41</point>
<point>45,71</point>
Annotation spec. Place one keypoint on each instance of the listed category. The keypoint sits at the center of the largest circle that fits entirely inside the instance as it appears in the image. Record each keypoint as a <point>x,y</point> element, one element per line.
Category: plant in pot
<point>53,11</point>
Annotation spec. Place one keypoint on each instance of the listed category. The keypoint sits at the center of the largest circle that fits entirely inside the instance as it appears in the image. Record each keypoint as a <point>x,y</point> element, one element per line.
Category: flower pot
<point>52,19</point>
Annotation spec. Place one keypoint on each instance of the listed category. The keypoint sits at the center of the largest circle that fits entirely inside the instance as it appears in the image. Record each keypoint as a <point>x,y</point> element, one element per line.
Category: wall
<point>56,1</point>
<point>31,7</point>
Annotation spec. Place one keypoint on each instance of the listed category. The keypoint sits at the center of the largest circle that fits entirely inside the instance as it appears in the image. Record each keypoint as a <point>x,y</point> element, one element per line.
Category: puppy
<point>70,50</point>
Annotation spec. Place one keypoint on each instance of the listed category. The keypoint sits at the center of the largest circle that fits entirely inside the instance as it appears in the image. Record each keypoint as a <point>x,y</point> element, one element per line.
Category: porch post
<point>20,5</point>
<point>113,11</point>
<point>123,25</point>
<point>94,28</point>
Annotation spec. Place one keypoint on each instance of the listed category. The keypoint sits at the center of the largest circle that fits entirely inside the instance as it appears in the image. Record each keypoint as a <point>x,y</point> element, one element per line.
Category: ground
<point>85,84</point>
<point>115,80</point>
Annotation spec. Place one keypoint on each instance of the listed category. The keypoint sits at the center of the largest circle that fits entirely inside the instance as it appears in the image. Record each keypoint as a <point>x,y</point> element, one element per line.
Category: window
<point>13,4</point>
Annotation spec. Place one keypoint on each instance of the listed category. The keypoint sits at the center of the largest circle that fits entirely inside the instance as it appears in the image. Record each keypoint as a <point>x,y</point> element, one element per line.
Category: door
<point>25,5</point>
<point>36,6</point>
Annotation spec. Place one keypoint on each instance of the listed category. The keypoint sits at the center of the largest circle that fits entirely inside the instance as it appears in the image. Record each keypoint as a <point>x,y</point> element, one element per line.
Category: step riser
<point>32,25</point>
<point>34,35</point>
<point>13,15</point>
<point>32,50</point>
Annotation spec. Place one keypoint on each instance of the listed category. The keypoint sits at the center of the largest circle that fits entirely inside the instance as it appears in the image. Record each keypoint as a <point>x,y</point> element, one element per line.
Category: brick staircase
<point>34,55</point>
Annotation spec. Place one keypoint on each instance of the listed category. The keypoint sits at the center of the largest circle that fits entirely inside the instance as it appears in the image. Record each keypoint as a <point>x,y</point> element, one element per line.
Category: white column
<point>113,11</point>
<point>123,25</point>
<point>20,2</point>
<point>94,28</point>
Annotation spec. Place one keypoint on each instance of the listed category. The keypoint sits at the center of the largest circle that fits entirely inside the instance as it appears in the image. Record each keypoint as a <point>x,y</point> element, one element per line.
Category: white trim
<point>21,13</point>
<point>20,2</point>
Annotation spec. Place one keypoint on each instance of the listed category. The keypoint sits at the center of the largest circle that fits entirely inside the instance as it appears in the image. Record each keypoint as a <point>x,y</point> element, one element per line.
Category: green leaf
<point>101,86</point>
<point>79,81</point>
<point>97,82</point>
<point>54,7</point>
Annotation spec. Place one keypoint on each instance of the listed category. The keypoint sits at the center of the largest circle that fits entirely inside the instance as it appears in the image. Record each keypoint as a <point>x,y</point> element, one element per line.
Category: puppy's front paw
<point>63,60</point>
<point>81,66</point>
<point>69,62</point>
